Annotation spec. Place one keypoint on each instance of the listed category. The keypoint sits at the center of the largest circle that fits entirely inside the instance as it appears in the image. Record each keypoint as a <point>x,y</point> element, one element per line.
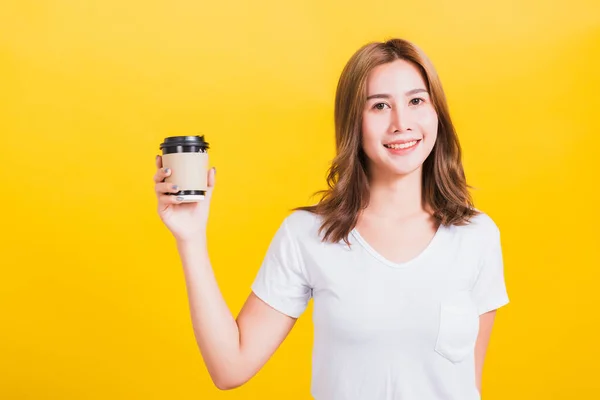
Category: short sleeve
<point>281,281</point>
<point>489,290</point>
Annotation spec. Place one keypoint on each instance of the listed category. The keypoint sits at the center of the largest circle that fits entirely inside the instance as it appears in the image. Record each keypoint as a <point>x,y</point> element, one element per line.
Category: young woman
<point>405,273</point>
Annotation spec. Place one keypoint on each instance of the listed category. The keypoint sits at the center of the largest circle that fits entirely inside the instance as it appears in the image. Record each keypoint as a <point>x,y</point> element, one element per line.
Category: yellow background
<point>92,297</point>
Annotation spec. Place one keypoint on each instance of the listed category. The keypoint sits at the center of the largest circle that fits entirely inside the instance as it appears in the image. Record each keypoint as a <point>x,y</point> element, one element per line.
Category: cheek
<point>371,133</point>
<point>369,125</point>
<point>429,122</point>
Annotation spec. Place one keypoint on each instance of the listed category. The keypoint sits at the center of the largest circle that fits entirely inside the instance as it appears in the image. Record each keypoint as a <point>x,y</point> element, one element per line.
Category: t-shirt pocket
<point>458,327</point>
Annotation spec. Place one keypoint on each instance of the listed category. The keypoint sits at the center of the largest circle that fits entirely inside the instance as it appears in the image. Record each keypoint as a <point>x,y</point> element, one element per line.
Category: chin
<point>405,166</point>
<point>392,165</point>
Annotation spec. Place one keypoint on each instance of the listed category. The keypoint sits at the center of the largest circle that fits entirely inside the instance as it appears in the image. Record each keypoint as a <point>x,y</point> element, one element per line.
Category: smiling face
<point>399,124</point>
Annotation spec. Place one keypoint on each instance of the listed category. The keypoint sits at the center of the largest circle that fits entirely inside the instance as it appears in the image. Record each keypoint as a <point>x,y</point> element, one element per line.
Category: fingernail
<point>179,198</point>
<point>167,170</point>
<point>215,169</point>
<point>175,187</point>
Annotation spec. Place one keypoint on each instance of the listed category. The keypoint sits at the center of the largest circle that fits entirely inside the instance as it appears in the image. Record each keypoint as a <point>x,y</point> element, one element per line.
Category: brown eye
<point>380,106</point>
<point>416,102</point>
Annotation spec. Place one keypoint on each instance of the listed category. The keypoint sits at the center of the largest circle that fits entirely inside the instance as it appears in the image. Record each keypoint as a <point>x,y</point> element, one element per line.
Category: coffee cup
<point>187,158</point>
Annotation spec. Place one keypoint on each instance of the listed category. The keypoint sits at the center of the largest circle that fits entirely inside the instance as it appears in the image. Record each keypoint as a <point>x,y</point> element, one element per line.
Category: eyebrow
<point>387,96</point>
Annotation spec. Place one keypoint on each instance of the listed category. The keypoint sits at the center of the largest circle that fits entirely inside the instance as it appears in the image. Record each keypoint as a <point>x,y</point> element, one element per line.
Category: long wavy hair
<point>444,187</point>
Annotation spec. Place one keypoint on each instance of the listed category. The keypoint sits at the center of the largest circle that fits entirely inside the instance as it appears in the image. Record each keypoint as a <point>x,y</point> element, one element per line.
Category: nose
<point>400,120</point>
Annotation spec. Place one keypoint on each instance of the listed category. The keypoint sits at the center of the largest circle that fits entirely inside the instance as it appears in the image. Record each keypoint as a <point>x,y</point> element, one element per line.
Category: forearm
<point>215,329</point>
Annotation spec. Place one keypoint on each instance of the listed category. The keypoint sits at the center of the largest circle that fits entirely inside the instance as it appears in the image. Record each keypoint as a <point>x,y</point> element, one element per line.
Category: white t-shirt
<point>384,330</point>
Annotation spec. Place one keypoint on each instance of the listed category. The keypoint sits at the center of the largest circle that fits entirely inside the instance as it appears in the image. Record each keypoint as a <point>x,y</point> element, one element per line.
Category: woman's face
<point>399,126</point>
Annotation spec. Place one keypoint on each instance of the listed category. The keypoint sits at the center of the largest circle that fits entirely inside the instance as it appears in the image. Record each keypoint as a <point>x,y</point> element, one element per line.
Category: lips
<point>402,144</point>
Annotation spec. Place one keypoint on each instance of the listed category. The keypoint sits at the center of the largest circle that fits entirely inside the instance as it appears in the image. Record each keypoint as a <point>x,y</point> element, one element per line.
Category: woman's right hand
<point>219,335</point>
<point>186,221</point>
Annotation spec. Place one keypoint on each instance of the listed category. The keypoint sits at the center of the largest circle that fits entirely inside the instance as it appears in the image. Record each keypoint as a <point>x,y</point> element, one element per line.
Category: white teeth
<point>401,146</point>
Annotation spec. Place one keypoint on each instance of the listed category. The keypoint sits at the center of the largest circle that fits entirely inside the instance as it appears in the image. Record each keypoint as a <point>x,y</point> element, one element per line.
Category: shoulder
<point>480,229</point>
<point>301,223</point>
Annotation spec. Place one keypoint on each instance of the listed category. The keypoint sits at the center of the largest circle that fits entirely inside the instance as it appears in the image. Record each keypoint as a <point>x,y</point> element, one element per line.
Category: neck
<point>396,196</point>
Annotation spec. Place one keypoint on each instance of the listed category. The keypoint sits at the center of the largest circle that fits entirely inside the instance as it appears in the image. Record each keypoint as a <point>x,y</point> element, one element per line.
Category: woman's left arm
<point>486,321</point>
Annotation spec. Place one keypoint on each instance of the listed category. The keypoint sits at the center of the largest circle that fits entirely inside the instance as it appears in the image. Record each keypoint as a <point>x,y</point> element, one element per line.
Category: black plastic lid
<point>175,141</point>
